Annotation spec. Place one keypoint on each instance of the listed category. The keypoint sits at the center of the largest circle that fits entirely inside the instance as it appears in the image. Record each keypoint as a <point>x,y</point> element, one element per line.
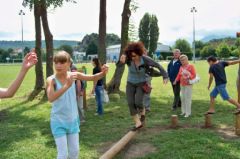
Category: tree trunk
<point>102,33</point>
<point>39,83</point>
<point>48,40</point>
<point>114,84</point>
<point>238,84</point>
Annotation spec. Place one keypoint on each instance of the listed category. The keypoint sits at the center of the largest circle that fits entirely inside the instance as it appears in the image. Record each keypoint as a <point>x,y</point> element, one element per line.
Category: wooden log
<point>208,122</point>
<point>237,126</point>
<point>115,149</point>
<point>174,121</point>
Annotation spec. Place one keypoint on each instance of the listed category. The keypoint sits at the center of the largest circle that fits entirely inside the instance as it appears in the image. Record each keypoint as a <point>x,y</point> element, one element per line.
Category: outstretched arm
<point>233,62</point>
<point>96,77</point>
<point>29,60</point>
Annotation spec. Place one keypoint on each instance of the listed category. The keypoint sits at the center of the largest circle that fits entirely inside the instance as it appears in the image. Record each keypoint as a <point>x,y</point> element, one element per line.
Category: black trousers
<point>176,92</point>
<point>135,95</point>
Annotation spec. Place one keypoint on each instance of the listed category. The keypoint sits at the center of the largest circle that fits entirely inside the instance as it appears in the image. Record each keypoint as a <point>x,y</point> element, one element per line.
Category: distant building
<point>114,51</point>
<point>79,56</point>
<point>161,49</point>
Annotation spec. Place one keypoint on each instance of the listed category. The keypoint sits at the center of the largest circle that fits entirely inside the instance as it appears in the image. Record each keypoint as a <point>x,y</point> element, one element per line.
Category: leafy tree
<point>235,53</point>
<point>207,51</point>
<point>40,14</point>
<point>111,39</point>
<point>237,43</point>
<point>26,50</point>
<point>144,29</point>
<point>199,46</point>
<point>67,48</point>
<point>92,49</point>
<point>133,32</point>
<point>223,50</point>
<point>183,45</point>
<point>154,35</point>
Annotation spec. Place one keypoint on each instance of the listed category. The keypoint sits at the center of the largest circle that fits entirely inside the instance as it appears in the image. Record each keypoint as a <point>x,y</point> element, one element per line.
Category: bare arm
<point>29,61</point>
<point>233,62</point>
<point>210,80</point>
<point>95,77</point>
<point>51,93</point>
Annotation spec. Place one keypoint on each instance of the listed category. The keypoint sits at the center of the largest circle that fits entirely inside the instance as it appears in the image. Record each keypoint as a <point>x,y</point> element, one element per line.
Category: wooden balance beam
<point>115,149</point>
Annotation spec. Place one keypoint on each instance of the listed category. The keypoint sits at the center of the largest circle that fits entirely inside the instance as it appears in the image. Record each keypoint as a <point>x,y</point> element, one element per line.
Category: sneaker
<point>182,114</point>
<point>186,116</point>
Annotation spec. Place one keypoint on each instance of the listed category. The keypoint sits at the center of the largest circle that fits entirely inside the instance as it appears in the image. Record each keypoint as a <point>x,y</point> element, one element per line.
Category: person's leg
<point>73,145</point>
<point>213,95</point>
<point>234,102</point>
<point>62,150</point>
<point>146,101</point>
<point>130,92</point>
<point>177,94</point>
<point>81,107</point>
<point>183,100</point>
<point>188,100</point>
<point>224,94</point>
<point>174,106</point>
<point>99,100</point>
<point>139,99</point>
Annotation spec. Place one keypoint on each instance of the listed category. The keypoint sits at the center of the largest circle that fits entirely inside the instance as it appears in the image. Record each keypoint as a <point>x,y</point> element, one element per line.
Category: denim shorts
<point>221,89</point>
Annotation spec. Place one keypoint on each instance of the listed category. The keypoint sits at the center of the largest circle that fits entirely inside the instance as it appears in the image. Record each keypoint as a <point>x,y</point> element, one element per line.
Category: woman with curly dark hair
<point>138,66</point>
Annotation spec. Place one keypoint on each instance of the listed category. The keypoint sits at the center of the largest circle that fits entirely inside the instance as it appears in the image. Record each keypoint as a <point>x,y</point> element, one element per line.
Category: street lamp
<point>21,13</point>
<point>194,10</point>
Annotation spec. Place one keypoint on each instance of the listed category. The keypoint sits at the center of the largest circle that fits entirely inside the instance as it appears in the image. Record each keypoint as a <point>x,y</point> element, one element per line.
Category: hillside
<point>18,44</point>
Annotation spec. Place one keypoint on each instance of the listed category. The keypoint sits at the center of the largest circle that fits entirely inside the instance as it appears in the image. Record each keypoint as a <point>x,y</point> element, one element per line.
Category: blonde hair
<point>183,57</point>
<point>62,57</point>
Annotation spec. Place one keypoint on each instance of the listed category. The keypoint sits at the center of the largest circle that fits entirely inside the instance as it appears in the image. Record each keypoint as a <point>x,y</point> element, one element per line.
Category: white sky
<point>73,21</point>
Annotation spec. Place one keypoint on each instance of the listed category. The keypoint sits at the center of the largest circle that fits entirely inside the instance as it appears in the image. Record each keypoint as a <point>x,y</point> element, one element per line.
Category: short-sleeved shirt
<point>218,71</point>
<point>95,71</point>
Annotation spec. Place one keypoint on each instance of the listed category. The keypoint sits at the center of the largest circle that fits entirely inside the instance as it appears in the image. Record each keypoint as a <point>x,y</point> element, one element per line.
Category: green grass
<point>25,131</point>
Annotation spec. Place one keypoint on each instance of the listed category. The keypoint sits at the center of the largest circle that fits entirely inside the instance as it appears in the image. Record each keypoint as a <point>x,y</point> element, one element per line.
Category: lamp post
<point>194,10</point>
<point>21,13</point>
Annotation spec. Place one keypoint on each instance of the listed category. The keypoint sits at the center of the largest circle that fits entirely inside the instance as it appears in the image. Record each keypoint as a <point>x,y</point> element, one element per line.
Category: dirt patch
<point>138,150</point>
<point>227,133</point>
<point>3,115</point>
<point>104,147</point>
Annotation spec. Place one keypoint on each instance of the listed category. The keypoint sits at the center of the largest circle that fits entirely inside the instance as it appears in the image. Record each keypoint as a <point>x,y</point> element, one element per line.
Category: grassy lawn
<point>25,130</point>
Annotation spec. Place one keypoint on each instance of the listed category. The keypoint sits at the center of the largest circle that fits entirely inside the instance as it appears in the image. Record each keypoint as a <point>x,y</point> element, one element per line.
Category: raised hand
<point>165,81</point>
<point>105,68</point>
<point>30,60</point>
<point>69,81</point>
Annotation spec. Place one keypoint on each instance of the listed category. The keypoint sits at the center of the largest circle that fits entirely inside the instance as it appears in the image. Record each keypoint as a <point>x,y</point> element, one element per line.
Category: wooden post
<point>237,126</point>
<point>118,146</point>
<point>174,121</point>
<point>84,100</point>
<point>238,78</point>
<point>208,122</point>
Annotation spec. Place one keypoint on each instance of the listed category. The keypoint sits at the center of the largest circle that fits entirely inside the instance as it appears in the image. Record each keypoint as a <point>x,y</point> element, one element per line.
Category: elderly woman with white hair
<point>186,73</point>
